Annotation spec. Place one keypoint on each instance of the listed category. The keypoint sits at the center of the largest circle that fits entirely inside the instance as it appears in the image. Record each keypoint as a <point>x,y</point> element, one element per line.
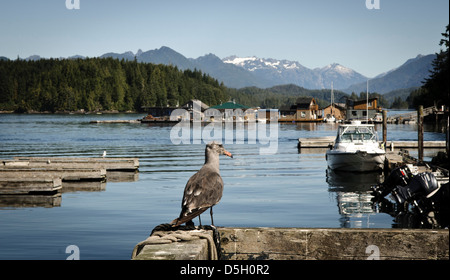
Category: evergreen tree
<point>435,91</point>
<point>100,84</point>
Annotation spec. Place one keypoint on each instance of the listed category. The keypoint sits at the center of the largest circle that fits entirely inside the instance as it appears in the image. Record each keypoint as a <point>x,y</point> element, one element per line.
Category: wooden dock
<point>65,174</point>
<point>110,164</point>
<point>316,142</point>
<point>29,175</point>
<point>115,121</point>
<point>29,185</point>
<point>328,142</point>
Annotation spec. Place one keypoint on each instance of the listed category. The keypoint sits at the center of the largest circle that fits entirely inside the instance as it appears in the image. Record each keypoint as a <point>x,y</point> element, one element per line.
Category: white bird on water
<point>104,154</point>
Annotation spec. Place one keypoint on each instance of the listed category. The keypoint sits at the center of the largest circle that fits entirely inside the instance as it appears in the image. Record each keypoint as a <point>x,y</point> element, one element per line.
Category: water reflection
<point>353,196</point>
<point>30,200</point>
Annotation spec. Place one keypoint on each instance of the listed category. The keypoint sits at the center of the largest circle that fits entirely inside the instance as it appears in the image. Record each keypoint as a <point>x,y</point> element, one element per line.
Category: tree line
<point>99,84</point>
<point>96,84</point>
<point>435,90</point>
<point>108,84</point>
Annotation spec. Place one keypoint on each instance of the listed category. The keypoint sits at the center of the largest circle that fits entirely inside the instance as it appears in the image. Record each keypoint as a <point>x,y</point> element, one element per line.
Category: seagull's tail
<point>175,223</point>
<point>186,217</point>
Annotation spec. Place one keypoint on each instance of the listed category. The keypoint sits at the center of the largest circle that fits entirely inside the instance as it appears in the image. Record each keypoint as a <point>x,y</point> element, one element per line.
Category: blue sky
<point>315,33</point>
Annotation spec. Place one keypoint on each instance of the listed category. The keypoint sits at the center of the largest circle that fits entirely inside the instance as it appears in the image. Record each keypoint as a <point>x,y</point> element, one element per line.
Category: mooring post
<point>420,132</point>
<point>384,129</point>
<point>448,137</point>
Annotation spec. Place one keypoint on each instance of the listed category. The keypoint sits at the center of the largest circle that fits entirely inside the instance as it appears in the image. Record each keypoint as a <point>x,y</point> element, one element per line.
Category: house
<point>192,106</point>
<point>360,108</point>
<point>230,111</point>
<point>338,110</point>
<point>305,109</point>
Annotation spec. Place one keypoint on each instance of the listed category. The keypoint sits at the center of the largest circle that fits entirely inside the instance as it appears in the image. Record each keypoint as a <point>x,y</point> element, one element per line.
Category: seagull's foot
<point>190,225</point>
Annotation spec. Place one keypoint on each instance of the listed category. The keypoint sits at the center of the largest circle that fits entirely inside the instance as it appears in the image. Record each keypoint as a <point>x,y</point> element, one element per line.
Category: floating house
<point>338,110</point>
<point>230,111</point>
<point>362,109</point>
<point>305,109</point>
<point>193,106</point>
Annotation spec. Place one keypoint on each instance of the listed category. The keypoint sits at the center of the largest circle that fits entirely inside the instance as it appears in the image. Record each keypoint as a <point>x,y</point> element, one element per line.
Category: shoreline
<point>78,112</point>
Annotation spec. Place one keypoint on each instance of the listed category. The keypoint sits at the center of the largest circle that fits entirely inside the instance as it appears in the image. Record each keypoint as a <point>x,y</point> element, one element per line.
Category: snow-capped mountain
<point>254,63</point>
<point>292,72</point>
<point>340,75</point>
<point>239,72</point>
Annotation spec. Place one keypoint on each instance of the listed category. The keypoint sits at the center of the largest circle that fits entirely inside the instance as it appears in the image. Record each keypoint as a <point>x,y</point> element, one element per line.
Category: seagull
<point>204,189</point>
<point>104,154</point>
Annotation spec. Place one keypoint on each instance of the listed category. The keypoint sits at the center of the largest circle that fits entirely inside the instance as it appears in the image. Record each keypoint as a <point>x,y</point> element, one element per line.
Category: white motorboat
<point>356,149</point>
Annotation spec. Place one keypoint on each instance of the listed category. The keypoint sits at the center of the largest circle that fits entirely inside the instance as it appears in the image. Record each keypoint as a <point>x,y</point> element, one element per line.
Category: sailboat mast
<point>367,102</point>
<point>332,98</point>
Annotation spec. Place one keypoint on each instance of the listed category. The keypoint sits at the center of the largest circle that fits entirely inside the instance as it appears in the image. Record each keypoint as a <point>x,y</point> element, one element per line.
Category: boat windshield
<point>356,134</point>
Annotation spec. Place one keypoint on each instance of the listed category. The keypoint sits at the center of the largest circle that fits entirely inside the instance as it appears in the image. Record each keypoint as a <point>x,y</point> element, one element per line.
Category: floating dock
<point>115,121</point>
<point>110,164</point>
<point>46,175</point>
<point>328,141</point>
<point>65,174</point>
<point>306,244</point>
<point>29,185</point>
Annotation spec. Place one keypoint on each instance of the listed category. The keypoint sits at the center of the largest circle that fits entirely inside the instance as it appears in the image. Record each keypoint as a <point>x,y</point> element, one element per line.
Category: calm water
<point>286,189</point>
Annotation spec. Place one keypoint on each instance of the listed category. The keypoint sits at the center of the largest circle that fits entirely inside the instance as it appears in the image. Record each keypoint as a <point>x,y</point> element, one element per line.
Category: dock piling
<point>420,132</point>
<point>385,129</point>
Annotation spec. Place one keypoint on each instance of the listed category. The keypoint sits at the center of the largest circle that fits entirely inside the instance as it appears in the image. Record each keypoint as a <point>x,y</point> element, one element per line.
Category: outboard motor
<point>400,176</point>
<point>417,199</point>
<point>423,185</point>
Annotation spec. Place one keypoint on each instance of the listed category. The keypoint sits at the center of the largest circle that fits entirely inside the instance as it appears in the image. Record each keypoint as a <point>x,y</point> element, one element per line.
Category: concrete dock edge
<point>310,244</point>
<point>334,244</point>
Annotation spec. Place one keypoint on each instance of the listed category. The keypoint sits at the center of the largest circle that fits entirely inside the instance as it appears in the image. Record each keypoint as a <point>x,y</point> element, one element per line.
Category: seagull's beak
<point>227,153</point>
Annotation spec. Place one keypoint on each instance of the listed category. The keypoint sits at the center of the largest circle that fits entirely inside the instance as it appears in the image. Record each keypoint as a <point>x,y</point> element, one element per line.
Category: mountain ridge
<point>408,75</point>
<point>240,72</point>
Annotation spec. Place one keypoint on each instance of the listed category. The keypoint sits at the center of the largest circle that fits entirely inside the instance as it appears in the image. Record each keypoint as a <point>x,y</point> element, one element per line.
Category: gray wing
<point>203,190</point>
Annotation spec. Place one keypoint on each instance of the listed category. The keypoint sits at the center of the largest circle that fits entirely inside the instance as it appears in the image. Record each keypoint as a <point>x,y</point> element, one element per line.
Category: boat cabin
<point>356,133</point>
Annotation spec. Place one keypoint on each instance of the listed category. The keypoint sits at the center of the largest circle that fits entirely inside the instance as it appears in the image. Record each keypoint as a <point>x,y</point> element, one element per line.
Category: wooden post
<point>448,138</point>
<point>420,132</point>
<point>384,128</point>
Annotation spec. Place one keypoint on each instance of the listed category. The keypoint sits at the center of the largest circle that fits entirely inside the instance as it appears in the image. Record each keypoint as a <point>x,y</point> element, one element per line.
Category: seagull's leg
<point>200,221</point>
<point>211,213</point>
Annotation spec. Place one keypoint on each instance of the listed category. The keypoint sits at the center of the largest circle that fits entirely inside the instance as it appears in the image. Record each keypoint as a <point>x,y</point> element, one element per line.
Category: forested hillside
<point>96,84</point>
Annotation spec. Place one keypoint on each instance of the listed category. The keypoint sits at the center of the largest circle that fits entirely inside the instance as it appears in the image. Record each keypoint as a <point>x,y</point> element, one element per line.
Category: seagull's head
<point>218,148</point>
